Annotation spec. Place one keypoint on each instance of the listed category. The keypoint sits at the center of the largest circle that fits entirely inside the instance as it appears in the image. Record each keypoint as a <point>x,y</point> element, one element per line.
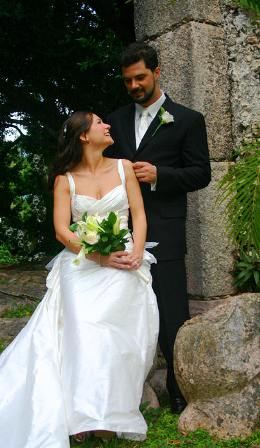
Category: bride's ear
<point>83,137</point>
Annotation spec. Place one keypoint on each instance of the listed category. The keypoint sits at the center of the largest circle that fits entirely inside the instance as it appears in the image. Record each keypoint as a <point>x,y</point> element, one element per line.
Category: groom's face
<point>141,82</point>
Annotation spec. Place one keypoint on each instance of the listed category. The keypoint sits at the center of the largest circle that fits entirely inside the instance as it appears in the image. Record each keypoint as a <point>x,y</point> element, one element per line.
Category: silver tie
<point>143,125</point>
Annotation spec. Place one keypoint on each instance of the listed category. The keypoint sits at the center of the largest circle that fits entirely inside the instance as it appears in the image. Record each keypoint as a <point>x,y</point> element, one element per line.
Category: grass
<point>163,433</point>
<point>19,311</point>
<point>3,345</point>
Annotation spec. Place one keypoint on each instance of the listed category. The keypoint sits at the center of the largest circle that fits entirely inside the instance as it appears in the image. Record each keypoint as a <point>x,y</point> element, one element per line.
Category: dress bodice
<point>115,200</point>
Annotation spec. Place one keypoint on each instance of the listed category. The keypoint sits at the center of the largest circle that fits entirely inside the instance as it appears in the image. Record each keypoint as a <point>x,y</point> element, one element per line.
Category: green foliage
<point>19,311</point>
<point>247,271</point>
<point>2,345</point>
<point>6,257</point>
<point>240,187</point>
<point>250,5</point>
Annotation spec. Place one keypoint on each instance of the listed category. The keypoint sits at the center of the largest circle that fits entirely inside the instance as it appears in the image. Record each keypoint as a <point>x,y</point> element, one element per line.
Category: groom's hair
<point>138,51</point>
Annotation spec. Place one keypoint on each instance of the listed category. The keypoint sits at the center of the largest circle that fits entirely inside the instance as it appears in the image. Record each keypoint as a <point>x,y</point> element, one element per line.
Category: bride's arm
<point>62,214</point>
<point>137,211</point>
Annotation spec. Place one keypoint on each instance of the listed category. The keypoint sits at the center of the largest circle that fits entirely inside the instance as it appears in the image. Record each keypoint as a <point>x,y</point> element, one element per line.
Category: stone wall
<point>208,57</point>
<point>242,35</point>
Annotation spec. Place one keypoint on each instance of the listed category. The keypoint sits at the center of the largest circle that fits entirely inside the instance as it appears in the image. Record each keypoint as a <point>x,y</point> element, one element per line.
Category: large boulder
<point>217,365</point>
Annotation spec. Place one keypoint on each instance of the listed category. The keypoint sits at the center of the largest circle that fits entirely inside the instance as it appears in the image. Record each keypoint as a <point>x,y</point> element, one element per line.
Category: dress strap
<point>121,171</point>
<point>72,184</point>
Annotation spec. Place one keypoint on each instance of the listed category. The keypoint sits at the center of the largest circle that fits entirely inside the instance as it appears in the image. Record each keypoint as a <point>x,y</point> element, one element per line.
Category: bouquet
<point>99,235</point>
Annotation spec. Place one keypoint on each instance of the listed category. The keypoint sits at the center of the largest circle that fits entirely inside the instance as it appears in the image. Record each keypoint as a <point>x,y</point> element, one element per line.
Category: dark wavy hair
<point>138,51</point>
<point>69,145</point>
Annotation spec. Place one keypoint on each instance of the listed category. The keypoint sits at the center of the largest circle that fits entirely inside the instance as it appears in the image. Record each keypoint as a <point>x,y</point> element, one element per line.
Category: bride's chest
<point>115,200</point>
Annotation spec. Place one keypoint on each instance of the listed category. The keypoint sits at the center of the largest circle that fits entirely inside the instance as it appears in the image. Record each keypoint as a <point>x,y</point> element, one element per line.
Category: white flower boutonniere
<point>164,117</point>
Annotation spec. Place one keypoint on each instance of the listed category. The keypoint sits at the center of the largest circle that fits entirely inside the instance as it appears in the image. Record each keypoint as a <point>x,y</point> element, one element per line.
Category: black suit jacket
<point>179,150</point>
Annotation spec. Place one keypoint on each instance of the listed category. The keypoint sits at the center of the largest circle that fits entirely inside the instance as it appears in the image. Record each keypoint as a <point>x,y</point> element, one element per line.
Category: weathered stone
<point>209,252</point>
<point>24,282</point>
<point>154,17</point>
<point>202,306</point>
<point>158,381</point>
<point>242,44</point>
<point>194,73</point>
<point>217,367</point>
<point>9,328</point>
<point>149,396</point>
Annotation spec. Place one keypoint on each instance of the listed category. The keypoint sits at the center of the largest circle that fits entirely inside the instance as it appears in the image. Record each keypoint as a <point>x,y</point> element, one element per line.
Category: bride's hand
<point>118,260</point>
<point>135,259</point>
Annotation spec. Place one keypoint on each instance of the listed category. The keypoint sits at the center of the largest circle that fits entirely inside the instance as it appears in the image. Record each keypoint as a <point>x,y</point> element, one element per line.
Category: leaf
<point>111,218</point>
<point>257,277</point>
<point>73,227</point>
<point>84,216</point>
<point>106,250</point>
<point>104,238</point>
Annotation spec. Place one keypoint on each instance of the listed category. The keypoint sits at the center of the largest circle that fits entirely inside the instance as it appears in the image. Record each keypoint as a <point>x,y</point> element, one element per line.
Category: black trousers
<point>170,287</point>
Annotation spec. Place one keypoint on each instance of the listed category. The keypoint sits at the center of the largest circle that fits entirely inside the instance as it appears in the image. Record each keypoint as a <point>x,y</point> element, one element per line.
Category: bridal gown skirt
<point>81,361</point>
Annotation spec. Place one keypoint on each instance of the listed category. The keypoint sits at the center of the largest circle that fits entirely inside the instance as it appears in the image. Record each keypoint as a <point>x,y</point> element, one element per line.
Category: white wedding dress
<point>80,362</point>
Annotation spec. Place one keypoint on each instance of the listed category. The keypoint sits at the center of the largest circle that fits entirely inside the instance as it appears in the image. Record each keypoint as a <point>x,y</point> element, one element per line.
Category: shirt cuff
<point>153,186</point>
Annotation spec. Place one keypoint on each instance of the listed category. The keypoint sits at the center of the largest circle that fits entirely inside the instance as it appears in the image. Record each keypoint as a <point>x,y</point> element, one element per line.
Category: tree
<point>56,56</point>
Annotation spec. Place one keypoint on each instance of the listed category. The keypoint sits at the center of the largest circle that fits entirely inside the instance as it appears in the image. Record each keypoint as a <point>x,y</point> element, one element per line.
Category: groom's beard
<point>143,99</point>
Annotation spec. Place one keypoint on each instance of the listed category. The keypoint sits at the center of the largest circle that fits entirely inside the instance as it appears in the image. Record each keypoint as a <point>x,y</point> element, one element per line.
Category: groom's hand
<point>145,172</point>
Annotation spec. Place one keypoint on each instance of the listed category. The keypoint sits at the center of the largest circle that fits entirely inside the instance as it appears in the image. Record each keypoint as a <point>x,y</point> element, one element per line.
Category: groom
<point>167,144</point>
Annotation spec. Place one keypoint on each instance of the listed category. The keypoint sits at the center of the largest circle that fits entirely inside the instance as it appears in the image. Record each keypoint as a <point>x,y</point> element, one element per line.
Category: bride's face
<point>98,134</point>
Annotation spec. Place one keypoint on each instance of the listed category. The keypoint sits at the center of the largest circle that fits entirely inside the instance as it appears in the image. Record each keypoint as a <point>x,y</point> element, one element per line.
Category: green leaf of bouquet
<point>107,250</point>
<point>84,216</point>
<point>104,238</point>
<point>120,246</point>
<point>73,227</point>
<point>112,218</point>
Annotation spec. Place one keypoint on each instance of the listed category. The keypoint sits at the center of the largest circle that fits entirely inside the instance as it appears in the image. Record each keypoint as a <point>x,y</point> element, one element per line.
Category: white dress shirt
<point>152,110</point>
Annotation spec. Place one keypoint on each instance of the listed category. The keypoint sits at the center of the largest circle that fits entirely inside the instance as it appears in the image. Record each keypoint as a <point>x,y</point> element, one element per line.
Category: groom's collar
<point>153,108</point>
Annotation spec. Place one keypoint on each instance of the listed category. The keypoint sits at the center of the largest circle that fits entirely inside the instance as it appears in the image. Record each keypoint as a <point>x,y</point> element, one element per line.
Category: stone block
<point>154,17</point>
<point>194,73</point>
<point>243,44</point>
<point>149,396</point>
<point>209,251</point>
<point>216,363</point>
<point>202,306</point>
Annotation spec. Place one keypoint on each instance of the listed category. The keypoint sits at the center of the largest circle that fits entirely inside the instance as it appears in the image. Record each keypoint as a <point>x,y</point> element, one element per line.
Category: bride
<point>80,363</point>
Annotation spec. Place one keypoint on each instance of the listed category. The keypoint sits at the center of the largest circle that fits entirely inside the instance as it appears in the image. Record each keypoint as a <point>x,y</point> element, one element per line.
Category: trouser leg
<point>169,283</point>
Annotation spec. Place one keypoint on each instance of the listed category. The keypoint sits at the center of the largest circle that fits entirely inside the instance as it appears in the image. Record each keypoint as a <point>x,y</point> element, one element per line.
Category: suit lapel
<point>152,128</point>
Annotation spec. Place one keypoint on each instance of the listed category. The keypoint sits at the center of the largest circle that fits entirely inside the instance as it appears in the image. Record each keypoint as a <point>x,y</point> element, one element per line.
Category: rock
<point>150,396</point>
<point>24,283</point>
<point>202,306</point>
<point>217,368</point>
<point>9,328</point>
<point>158,381</point>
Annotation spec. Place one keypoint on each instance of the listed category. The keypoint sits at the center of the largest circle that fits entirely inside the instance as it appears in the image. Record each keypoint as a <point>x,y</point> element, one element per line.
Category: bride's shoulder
<point>61,182</point>
<point>128,168</point>
<point>127,164</point>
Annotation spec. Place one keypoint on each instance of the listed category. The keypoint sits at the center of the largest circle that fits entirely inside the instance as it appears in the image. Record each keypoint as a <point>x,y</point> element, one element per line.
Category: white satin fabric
<point>81,361</point>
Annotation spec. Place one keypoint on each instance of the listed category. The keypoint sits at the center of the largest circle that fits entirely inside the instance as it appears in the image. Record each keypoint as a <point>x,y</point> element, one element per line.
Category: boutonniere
<point>164,117</point>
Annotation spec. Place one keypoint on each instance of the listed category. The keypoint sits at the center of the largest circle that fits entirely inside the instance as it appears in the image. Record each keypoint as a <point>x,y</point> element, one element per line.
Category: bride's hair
<point>69,145</point>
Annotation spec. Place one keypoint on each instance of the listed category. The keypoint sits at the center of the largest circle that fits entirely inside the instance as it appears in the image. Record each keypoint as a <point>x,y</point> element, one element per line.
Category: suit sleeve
<point>195,172</point>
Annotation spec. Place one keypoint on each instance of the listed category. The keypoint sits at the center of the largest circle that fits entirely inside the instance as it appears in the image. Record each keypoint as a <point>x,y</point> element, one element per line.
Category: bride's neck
<point>91,161</point>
